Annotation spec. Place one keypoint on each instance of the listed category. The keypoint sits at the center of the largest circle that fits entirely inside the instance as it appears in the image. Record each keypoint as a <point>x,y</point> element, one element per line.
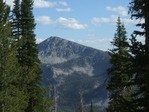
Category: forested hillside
<point>71,68</point>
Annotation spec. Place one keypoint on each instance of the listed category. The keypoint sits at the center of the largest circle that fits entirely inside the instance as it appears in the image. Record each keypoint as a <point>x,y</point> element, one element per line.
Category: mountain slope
<point>72,67</point>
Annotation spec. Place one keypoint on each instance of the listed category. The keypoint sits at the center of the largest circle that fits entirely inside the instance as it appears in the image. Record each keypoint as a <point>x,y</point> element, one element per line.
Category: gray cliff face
<point>72,67</point>
<point>58,50</point>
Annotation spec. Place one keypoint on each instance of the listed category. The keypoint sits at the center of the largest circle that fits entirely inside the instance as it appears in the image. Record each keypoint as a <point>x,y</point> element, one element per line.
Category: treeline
<point>20,79</point>
<point>129,74</point>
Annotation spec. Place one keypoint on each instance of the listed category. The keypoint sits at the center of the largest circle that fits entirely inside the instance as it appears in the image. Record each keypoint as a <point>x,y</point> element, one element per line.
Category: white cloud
<point>10,3</point>
<point>39,40</point>
<point>101,44</point>
<point>63,10</point>
<point>42,3</point>
<point>96,21</point>
<point>113,19</point>
<point>44,20</point>
<point>62,23</point>
<point>71,39</point>
<point>69,23</point>
<point>141,39</point>
<point>63,3</point>
<point>121,10</point>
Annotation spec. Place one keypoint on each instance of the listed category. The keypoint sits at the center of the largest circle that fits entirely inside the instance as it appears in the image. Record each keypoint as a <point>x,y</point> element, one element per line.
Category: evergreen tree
<point>11,97</point>
<point>27,54</point>
<point>119,73</point>
<point>92,107</point>
<point>139,9</point>
<point>28,59</point>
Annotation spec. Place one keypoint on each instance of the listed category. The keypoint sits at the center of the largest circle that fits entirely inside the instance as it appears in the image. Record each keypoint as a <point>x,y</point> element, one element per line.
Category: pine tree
<point>4,32</point>
<point>28,59</point>
<point>119,73</point>
<point>27,54</point>
<point>11,97</point>
<point>139,9</point>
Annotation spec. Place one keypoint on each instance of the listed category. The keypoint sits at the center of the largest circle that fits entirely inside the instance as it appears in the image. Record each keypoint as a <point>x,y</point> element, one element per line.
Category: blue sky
<point>88,22</point>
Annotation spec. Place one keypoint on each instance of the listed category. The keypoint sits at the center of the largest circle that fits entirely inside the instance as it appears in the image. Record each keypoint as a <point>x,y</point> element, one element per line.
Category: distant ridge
<point>55,38</point>
<point>63,49</point>
<point>72,67</point>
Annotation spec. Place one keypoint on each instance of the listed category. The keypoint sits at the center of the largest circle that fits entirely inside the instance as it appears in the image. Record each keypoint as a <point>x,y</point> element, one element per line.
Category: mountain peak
<point>54,39</point>
<point>56,50</point>
<point>62,50</point>
<point>72,67</point>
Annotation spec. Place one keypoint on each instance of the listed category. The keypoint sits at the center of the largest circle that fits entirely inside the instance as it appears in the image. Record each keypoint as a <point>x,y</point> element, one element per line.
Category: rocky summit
<point>76,72</point>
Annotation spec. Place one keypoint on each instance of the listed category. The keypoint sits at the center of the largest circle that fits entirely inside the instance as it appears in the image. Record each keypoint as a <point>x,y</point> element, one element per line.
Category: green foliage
<point>140,69</point>
<point>27,55</point>
<point>12,98</point>
<point>139,9</point>
<point>20,79</point>
<point>120,71</point>
<point>119,59</point>
<point>16,24</point>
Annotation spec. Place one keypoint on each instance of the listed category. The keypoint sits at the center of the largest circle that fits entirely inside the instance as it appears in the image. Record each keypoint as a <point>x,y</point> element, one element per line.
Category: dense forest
<point>129,78</point>
<point>21,87</point>
<point>20,79</point>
